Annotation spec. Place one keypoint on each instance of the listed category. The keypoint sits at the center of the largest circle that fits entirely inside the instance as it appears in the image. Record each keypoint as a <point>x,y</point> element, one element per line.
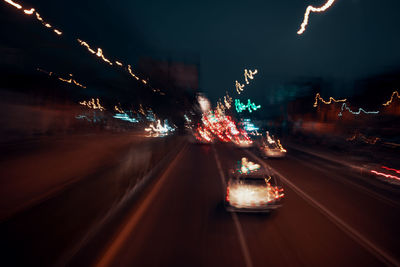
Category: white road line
<point>119,240</point>
<point>360,188</point>
<point>242,240</point>
<point>354,234</point>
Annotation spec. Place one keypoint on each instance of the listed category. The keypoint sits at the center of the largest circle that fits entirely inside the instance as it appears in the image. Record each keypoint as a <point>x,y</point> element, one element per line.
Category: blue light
<point>124,117</point>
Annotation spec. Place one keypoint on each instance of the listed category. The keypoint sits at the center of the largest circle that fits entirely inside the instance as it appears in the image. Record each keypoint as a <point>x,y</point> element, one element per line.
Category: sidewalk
<point>51,165</point>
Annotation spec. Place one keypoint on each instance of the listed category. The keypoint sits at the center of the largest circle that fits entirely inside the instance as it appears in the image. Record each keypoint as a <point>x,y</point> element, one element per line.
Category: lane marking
<point>120,239</point>
<point>360,188</point>
<point>350,231</point>
<point>242,240</point>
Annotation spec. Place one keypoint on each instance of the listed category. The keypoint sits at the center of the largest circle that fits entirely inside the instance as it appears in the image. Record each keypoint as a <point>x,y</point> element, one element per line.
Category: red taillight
<point>227,194</point>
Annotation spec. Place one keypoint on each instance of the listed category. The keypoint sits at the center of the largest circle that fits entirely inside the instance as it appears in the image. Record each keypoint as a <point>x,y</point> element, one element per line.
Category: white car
<point>253,192</point>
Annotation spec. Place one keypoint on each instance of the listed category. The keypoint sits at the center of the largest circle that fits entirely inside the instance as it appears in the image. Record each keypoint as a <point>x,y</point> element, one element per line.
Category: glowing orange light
<point>249,74</point>
<point>13,4</point>
<point>98,52</point>
<point>119,110</point>
<point>310,9</point>
<point>318,97</point>
<point>70,80</point>
<point>391,98</point>
<point>228,101</point>
<point>239,87</point>
<point>131,73</point>
<point>93,104</point>
<point>29,12</point>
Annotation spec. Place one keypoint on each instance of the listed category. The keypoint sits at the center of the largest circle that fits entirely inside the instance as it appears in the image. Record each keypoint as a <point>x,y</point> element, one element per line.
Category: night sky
<point>351,40</point>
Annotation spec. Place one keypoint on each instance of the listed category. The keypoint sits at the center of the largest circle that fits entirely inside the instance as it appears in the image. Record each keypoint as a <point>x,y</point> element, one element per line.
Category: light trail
<point>37,15</point>
<point>98,52</point>
<point>365,139</point>
<point>386,175</point>
<point>390,169</point>
<point>93,104</point>
<point>239,87</point>
<point>70,80</point>
<point>250,106</point>
<point>119,110</point>
<point>318,97</point>
<point>228,101</point>
<point>391,98</point>
<point>355,112</point>
<point>13,4</point>
<point>249,74</point>
<point>310,9</point>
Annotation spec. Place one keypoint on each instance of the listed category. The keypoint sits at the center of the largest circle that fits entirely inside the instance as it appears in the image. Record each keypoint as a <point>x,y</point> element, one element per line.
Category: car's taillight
<point>227,194</point>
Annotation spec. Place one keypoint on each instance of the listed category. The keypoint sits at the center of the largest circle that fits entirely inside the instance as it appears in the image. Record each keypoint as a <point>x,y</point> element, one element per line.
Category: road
<point>329,218</point>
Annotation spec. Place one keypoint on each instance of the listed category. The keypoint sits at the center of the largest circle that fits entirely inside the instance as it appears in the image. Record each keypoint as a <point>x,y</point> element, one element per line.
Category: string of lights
<point>228,101</point>
<point>310,9</point>
<point>331,99</point>
<point>391,98</point>
<point>249,106</point>
<point>37,15</point>
<point>93,104</point>
<point>70,80</point>
<point>98,52</point>
<point>344,106</point>
<point>248,74</point>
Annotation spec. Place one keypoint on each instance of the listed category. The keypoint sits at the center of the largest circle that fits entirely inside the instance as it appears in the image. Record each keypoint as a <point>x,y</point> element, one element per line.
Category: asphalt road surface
<point>330,217</point>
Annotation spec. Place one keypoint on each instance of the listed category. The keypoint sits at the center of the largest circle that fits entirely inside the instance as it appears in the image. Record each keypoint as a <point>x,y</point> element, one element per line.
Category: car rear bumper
<point>263,208</point>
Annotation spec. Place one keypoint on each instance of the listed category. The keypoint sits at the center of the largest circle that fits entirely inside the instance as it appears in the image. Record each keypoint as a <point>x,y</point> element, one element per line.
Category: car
<point>272,148</point>
<point>253,191</point>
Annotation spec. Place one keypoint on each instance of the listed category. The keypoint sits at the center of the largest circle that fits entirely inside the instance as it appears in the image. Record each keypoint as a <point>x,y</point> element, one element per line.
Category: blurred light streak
<point>248,166</point>
<point>125,117</point>
<point>116,108</point>
<point>13,4</point>
<point>29,12</point>
<point>318,97</point>
<point>159,130</point>
<point>386,175</point>
<point>93,104</point>
<point>228,101</point>
<point>239,87</point>
<point>391,98</point>
<point>250,106</point>
<point>390,169</point>
<point>365,139</point>
<point>70,80</point>
<point>310,9</point>
<point>355,112</point>
<point>131,73</point>
<point>99,52</point>
<point>249,74</point>
<point>79,117</point>
<point>392,144</point>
